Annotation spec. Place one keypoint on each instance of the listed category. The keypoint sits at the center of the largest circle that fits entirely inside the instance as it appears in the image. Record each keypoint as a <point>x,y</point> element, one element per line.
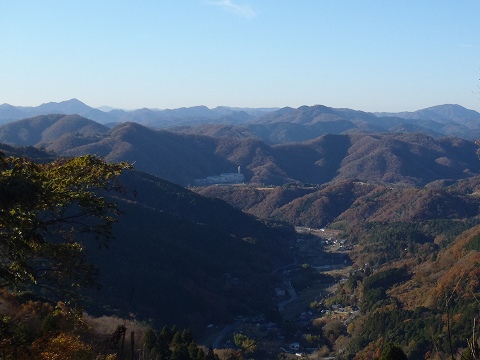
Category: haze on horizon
<point>364,55</point>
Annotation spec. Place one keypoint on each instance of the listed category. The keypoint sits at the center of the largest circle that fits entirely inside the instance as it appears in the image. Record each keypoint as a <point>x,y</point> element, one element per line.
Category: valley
<point>336,244</point>
<point>319,250</point>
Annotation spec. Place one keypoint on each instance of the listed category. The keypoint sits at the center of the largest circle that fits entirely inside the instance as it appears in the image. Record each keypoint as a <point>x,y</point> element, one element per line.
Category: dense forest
<point>103,261</point>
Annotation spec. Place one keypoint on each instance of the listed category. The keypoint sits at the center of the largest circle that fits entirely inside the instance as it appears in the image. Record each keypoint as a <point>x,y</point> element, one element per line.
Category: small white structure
<point>223,178</point>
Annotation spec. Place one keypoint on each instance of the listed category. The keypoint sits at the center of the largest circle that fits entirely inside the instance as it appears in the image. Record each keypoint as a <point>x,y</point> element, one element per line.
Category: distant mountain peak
<point>65,102</point>
<point>440,113</point>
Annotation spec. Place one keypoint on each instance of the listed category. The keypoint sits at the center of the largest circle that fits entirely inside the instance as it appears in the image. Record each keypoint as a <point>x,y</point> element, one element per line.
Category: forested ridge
<point>417,285</point>
<point>354,201</point>
<point>391,157</point>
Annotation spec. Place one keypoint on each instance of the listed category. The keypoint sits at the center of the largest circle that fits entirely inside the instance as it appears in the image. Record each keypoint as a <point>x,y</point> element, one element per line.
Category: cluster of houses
<point>341,243</point>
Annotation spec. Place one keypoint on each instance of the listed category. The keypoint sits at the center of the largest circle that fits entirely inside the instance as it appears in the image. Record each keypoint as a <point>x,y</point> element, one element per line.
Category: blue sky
<point>365,55</point>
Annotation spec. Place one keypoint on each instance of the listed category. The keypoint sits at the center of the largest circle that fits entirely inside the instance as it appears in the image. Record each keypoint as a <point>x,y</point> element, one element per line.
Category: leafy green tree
<point>244,342</point>
<point>193,350</point>
<point>150,339</point>
<point>47,211</point>
<point>177,339</point>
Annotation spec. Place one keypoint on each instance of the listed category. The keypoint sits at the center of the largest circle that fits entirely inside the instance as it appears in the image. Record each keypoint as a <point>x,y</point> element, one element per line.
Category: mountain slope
<point>45,129</point>
<point>409,158</point>
<point>180,258</point>
<point>354,202</point>
<point>449,119</point>
<point>439,113</point>
<point>288,125</point>
<point>308,115</point>
<point>176,158</point>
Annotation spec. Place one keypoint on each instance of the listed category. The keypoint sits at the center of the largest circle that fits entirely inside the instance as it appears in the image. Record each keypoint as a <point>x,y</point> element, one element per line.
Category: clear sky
<point>365,55</point>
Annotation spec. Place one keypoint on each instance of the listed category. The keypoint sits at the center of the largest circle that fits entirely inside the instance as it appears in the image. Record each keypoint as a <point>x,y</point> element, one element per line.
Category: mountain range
<point>272,125</point>
<point>408,158</point>
<point>150,117</point>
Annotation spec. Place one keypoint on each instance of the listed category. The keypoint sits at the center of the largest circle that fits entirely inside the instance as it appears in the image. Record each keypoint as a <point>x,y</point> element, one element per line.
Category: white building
<point>224,178</point>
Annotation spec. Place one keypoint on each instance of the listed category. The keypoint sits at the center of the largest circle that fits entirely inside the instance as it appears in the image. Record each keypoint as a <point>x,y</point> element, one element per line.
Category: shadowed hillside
<point>46,129</point>
<point>180,258</point>
<point>176,158</point>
